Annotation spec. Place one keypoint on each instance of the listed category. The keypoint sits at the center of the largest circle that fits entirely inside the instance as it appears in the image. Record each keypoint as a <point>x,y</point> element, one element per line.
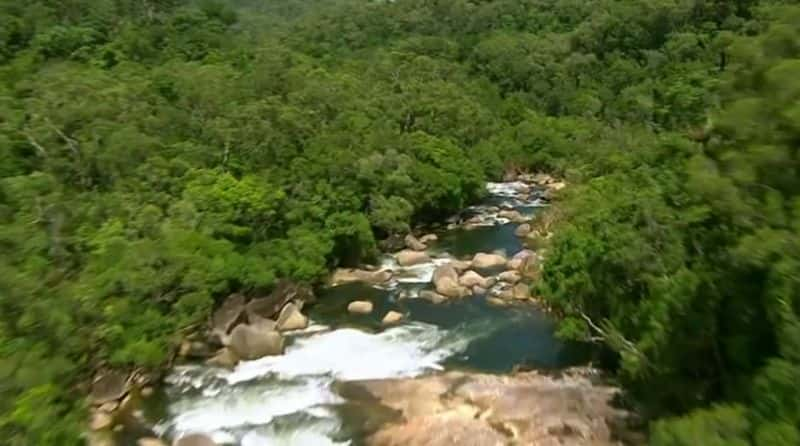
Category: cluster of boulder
<point>243,329</point>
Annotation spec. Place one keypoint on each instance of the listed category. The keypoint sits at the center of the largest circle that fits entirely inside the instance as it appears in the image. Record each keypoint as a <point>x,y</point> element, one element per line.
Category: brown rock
<point>230,313</point>
<point>496,301</point>
<point>429,238</point>
<point>194,349</point>
<point>291,318</point>
<point>487,261</point>
<point>413,244</point>
<point>224,358</point>
<point>472,279</point>
<point>360,307</point>
<point>432,296</point>
<point>522,291</point>
<point>147,392</point>
<point>411,258</point>
<point>511,277</point>
<point>392,317</point>
<point>342,276</point>
<point>101,421</point>
<point>194,440</point>
<point>150,441</point>
<point>461,265</point>
<point>267,307</point>
<point>446,270</point>
<point>513,215</point>
<point>249,343</point>
<point>109,386</point>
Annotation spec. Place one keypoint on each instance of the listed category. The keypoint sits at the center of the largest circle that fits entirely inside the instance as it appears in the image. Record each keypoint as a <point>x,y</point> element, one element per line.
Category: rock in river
<point>291,318</point>
<point>413,244</point>
<point>523,230</point>
<point>249,342</point>
<point>472,279</point>
<point>228,314</point>
<point>487,261</point>
<point>392,317</point>
<point>511,277</point>
<point>429,238</point>
<point>445,280</point>
<point>346,275</point>
<point>459,408</point>
<point>360,307</point>
<point>194,440</point>
<point>411,258</point>
<point>224,358</point>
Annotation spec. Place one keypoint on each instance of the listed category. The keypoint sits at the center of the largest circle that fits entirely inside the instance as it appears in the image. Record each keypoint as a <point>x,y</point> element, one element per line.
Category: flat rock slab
<point>478,409</point>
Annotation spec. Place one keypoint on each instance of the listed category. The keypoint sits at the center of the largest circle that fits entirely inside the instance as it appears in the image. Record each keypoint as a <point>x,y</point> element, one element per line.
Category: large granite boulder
<point>285,292</point>
<point>291,318</point>
<point>228,315</point>
<point>109,386</point>
<point>472,279</point>
<point>360,307</point>
<point>488,261</point>
<point>249,342</point>
<point>347,275</point>
<point>414,244</point>
<point>411,258</point>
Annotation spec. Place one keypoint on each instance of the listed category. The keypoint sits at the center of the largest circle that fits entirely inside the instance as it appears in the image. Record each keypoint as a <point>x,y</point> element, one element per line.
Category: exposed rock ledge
<point>486,410</point>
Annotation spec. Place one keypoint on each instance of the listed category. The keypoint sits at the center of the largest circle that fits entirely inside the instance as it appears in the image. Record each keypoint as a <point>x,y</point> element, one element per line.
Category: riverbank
<point>464,305</point>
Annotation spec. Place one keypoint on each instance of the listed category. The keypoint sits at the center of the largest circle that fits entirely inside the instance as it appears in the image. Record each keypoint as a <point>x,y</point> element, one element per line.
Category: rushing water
<point>290,400</point>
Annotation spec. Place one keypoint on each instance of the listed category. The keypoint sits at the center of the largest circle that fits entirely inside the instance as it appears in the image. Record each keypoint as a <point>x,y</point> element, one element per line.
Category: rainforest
<point>157,156</point>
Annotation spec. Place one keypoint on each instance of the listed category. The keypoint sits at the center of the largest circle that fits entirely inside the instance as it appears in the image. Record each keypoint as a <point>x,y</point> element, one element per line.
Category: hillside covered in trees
<point>158,155</point>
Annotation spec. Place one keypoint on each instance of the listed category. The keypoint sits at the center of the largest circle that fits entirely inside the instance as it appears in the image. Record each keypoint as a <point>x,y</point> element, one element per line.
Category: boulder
<point>429,238</point>
<point>260,323</point>
<point>195,440</point>
<point>520,259</point>
<point>522,291</point>
<point>291,318</point>
<point>101,421</point>
<point>411,258</point>
<point>347,275</point>
<point>413,244</point>
<point>523,230</point>
<point>446,270</point>
<point>360,307</point>
<point>505,294</point>
<point>557,186</point>
<point>449,287</point>
<point>285,291</point>
<point>496,301</point>
<point>542,179</point>
<point>249,342</point>
<point>472,279</point>
<point>110,386</point>
<point>226,316</point>
<point>224,358</point>
<point>150,441</point>
<point>487,261</point>
<point>432,296</point>
<point>513,215</point>
<point>511,277</point>
<point>461,265</point>
<point>392,317</point>
<point>479,290</point>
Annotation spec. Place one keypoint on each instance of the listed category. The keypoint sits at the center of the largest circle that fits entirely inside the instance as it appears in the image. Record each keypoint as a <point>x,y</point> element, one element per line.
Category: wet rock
<point>150,441</point>
<point>446,270</point>
<point>194,440</point>
<point>479,290</point>
<point>285,291</point>
<point>109,386</point>
<point>413,244</point>
<point>496,301</point>
<point>459,408</point>
<point>249,342</point>
<point>228,315</point>
<point>445,281</point>
<point>411,258</point>
<point>522,291</point>
<point>513,215</point>
<point>511,277</point>
<point>360,307</point>
<point>472,279</point>
<point>488,261</point>
<point>392,317</point>
<point>518,261</point>
<point>291,318</point>
<point>224,358</point>
<point>432,296</point>
<point>461,265</point>
<point>523,230</point>
<point>429,238</point>
<point>344,275</point>
<point>101,421</point>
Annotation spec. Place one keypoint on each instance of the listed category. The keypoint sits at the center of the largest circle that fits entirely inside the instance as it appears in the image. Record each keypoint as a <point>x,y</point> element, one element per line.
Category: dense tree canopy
<point>157,155</point>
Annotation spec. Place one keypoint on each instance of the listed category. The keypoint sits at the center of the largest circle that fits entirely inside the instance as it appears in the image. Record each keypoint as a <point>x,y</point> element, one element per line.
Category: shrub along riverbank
<point>155,156</point>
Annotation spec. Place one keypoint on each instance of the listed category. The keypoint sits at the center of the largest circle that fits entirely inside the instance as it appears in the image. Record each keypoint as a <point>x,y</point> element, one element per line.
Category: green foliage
<point>155,156</point>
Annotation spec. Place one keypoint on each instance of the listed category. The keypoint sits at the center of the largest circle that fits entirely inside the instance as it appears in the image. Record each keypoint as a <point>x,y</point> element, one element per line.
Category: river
<point>292,399</point>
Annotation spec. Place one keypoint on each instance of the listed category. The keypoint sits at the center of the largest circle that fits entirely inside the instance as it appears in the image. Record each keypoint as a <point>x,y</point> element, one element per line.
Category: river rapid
<point>292,400</point>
